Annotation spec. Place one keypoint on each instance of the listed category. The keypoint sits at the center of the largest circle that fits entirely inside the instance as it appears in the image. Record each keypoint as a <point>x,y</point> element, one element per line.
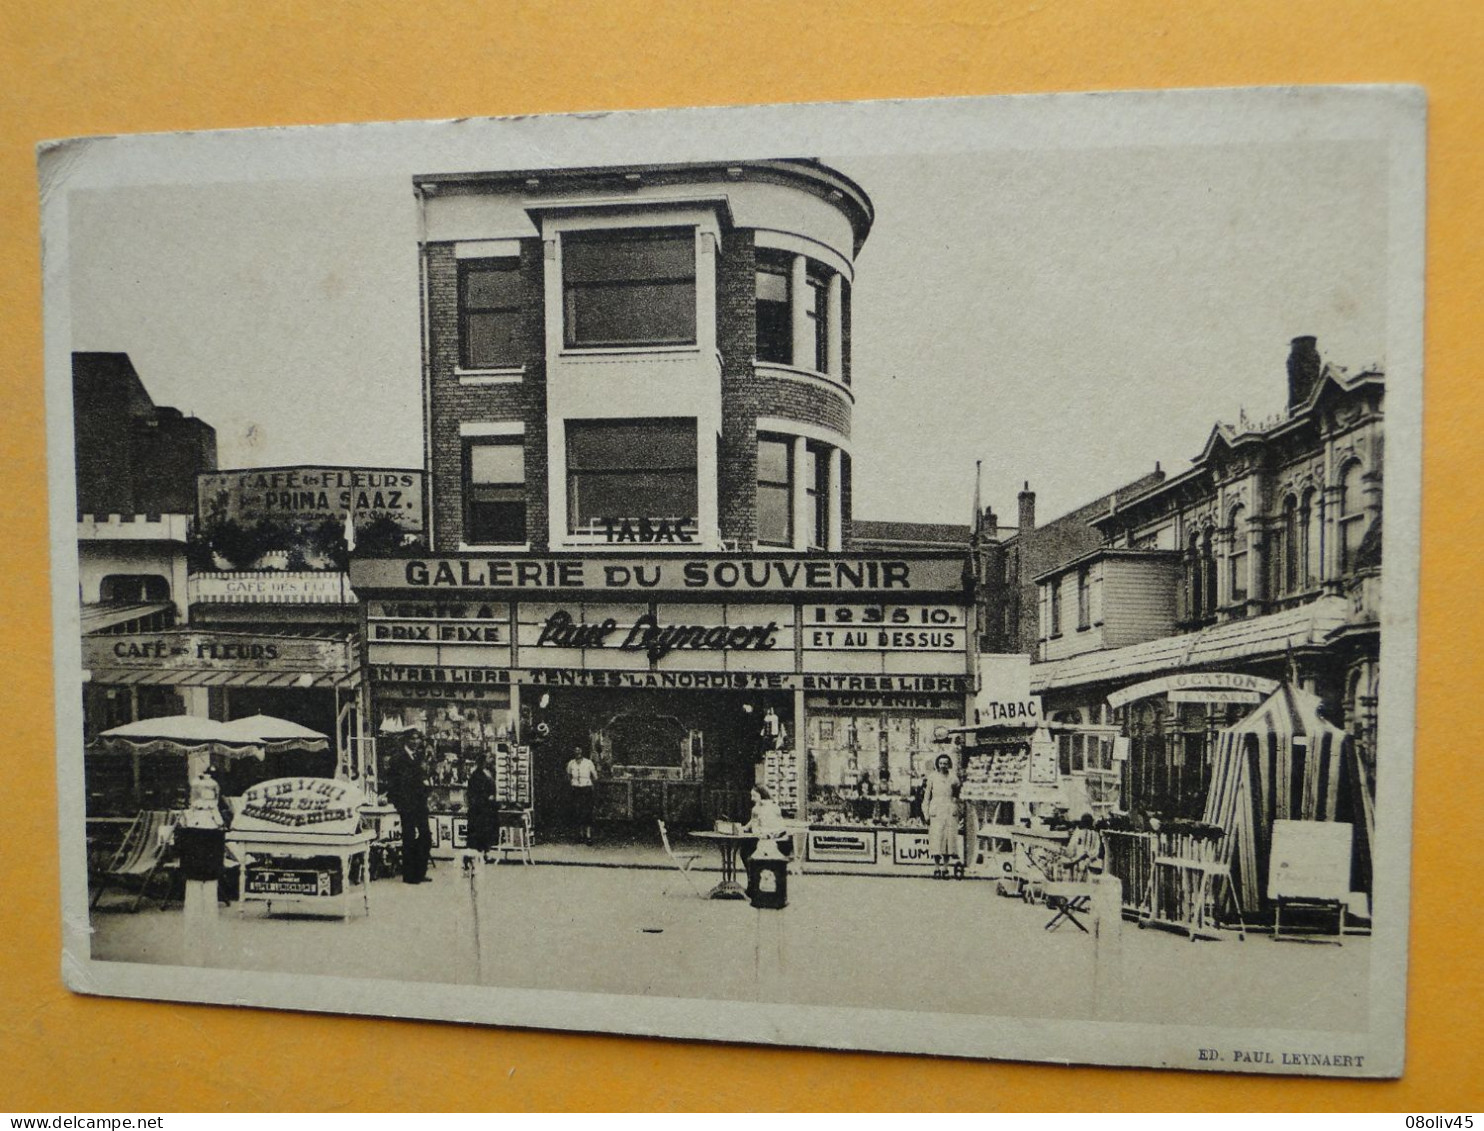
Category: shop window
<point>634,471</point>
<point>495,492</point>
<point>632,287</point>
<point>774,491</point>
<point>775,331</point>
<point>1084,600</point>
<point>1237,559</point>
<point>1352,516</point>
<point>489,313</point>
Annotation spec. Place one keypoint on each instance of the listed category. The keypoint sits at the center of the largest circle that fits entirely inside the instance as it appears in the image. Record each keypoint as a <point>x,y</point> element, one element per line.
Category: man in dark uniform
<point>407,791</point>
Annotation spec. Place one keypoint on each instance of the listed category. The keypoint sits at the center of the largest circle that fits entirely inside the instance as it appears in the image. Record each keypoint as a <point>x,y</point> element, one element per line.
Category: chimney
<point>1303,371</point>
<point>1027,499</point>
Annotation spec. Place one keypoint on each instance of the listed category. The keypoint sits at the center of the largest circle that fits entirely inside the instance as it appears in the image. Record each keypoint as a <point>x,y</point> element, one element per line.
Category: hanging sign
<point>1004,698</point>
<point>1216,695</point>
<point>1193,681</point>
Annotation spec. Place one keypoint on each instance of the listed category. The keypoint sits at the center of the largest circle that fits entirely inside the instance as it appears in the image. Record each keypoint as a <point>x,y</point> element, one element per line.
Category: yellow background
<point>69,68</point>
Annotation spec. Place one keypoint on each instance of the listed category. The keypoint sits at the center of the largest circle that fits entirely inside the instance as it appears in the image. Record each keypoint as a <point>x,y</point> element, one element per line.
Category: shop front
<point>311,679</point>
<point>686,680</point>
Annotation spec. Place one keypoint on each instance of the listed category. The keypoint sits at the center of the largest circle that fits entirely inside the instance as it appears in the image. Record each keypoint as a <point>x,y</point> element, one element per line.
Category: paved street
<point>871,941</point>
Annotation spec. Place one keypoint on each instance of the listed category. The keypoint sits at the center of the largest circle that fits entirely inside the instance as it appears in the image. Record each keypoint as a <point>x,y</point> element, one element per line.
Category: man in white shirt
<point>582,777</point>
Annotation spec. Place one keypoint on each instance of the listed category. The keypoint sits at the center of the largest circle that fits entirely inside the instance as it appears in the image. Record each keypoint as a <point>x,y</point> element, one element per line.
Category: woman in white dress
<point>940,808</point>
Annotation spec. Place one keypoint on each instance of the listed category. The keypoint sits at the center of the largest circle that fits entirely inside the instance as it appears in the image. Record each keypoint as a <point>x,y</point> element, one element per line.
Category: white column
<point>801,762</point>
<point>798,288</point>
<point>837,501</point>
<point>800,492</point>
<point>708,468</point>
<point>835,343</point>
<point>556,436</point>
<point>552,292</point>
<point>706,292</point>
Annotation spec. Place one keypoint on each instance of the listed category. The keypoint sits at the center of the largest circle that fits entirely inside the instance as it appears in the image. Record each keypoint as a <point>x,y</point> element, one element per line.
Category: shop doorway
<point>685,757</point>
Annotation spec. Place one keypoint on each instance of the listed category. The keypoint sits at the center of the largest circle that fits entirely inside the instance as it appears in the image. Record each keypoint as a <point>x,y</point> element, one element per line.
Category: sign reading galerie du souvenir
<point>847,574</point>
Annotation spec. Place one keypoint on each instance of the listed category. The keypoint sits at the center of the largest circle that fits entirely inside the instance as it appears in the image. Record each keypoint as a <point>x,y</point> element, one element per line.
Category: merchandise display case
<point>300,844</point>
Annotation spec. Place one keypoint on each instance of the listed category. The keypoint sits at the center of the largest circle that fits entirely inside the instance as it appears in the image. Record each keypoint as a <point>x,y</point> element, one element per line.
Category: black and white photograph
<point>900,576</point>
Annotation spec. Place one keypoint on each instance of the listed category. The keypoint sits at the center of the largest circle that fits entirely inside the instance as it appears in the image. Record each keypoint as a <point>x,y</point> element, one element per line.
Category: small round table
<point>730,845</point>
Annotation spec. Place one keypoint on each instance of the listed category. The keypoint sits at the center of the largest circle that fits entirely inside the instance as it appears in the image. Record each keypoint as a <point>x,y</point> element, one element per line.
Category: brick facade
<point>747,392</point>
<point>133,457</point>
<point>453,403</point>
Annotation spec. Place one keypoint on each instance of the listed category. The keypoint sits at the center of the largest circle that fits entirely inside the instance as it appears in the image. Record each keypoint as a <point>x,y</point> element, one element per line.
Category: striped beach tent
<point>1285,762</point>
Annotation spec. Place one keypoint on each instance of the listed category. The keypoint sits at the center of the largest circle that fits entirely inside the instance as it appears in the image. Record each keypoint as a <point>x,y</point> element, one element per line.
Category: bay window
<point>629,287</point>
<point>774,491</point>
<point>817,496</point>
<point>816,346</point>
<point>775,334</point>
<point>635,471</point>
<point>793,493</point>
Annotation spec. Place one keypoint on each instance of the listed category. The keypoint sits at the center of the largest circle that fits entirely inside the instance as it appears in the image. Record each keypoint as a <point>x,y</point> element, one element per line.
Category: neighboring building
<point>136,466</point>
<point>133,457</point>
<point>166,632</point>
<point>892,537</point>
<point>1008,600</point>
<point>638,392</point>
<point>1260,563</point>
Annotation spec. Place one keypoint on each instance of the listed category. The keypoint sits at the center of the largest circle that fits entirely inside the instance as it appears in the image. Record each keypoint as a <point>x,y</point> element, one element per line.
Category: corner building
<point>638,409</point>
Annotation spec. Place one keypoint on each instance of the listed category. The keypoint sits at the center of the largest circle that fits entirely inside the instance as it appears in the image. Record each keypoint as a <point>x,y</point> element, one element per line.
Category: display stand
<point>1309,879</point>
<point>781,777</point>
<point>512,766</point>
<point>299,843</point>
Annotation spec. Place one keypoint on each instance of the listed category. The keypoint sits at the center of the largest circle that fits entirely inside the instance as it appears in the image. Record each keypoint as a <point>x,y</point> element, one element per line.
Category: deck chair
<point>1070,899</point>
<point>683,861</point>
<point>146,845</point>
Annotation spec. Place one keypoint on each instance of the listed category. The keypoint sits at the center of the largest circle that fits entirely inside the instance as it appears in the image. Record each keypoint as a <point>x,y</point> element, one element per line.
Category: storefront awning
<point>1254,638</point>
<point>187,678</point>
<point>100,616</point>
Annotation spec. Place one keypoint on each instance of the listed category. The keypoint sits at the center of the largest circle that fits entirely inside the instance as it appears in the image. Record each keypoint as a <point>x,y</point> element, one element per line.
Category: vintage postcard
<point>901,576</point>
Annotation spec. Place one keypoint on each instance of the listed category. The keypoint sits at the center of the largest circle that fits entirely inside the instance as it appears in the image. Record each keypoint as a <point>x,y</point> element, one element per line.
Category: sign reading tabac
<point>837,574</point>
<point>306,495</point>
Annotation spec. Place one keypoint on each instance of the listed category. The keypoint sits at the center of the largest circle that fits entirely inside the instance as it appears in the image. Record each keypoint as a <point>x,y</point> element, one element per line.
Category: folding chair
<point>145,847</point>
<point>1069,900</point>
<point>683,861</point>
